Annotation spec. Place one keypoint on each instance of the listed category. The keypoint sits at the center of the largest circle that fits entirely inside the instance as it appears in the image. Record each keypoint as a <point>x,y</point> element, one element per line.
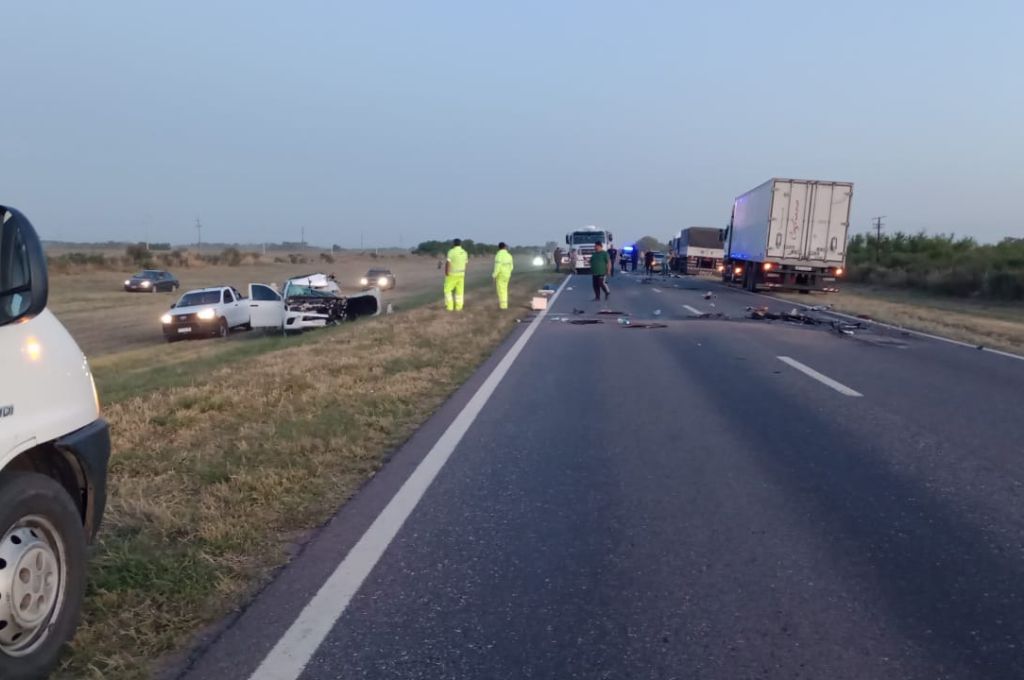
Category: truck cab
<point>54,449</point>
<point>581,246</point>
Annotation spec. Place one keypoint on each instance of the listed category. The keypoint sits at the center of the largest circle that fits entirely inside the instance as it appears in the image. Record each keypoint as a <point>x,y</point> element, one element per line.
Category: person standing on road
<point>600,266</point>
<point>649,263</point>
<point>455,277</point>
<point>558,260</point>
<point>633,257</point>
<point>503,266</point>
<point>612,254</point>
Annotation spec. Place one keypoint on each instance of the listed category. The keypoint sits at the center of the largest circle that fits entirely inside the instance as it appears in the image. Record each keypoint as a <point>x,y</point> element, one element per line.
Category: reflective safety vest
<point>503,264</point>
<point>458,258</point>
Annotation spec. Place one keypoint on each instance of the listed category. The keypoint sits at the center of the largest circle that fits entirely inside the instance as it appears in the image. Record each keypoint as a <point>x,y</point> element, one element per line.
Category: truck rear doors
<point>809,221</point>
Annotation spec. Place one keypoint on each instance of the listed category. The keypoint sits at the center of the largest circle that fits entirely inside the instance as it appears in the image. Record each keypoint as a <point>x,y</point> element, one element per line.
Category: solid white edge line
<point>823,379</point>
<point>692,310</point>
<point>901,329</point>
<point>299,643</point>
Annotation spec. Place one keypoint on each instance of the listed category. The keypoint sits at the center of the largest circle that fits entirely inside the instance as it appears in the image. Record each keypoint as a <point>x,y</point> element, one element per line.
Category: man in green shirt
<point>600,267</point>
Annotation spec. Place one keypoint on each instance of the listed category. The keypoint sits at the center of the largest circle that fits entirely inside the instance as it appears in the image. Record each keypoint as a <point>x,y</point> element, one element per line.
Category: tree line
<point>941,263</point>
<point>439,248</point>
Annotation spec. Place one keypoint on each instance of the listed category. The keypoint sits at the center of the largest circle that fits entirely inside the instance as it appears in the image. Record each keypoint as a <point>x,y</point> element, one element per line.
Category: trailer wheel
<point>42,573</point>
<point>750,278</point>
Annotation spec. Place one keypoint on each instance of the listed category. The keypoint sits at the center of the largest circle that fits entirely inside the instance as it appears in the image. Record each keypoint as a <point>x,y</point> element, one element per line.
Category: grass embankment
<point>992,324</point>
<point>222,460</point>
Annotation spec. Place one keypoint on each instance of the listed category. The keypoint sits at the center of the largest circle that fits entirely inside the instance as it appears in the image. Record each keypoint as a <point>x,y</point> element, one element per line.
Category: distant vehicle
<point>382,279</point>
<point>54,449</point>
<point>205,312</point>
<point>789,234</point>
<point>698,250</point>
<point>151,281</point>
<point>660,261</point>
<point>581,246</point>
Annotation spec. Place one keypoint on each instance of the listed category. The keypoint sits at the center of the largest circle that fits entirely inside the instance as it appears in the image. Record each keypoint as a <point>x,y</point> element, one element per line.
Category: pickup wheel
<point>222,328</point>
<point>42,573</point>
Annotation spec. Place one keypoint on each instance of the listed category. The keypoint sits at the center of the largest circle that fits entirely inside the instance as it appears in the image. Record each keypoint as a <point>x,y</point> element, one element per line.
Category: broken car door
<point>266,308</point>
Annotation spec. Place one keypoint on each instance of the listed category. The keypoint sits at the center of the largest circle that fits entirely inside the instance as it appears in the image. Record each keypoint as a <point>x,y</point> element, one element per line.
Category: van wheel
<point>42,573</point>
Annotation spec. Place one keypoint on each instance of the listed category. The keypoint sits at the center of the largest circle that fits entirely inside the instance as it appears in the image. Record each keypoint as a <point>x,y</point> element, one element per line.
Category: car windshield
<point>199,297</point>
<point>295,290</point>
<point>587,237</point>
<point>378,272</point>
<point>147,274</point>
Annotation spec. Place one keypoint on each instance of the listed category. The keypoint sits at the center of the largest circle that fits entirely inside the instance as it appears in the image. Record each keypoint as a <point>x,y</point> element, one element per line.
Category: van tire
<point>222,328</point>
<point>23,497</point>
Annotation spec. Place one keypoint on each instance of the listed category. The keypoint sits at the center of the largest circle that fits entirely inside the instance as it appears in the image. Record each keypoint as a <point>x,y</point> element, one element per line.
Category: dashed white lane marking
<point>692,310</point>
<point>823,379</point>
<point>299,643</point>
<point>656,290</point>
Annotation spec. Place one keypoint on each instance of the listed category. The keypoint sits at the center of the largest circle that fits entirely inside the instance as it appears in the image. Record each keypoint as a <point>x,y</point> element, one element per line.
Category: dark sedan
<point>151,281</point>
<point>382,279</point>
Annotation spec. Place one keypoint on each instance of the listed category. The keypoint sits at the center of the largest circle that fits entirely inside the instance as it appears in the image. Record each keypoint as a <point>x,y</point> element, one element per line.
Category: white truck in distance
<point>581,246</point>
<point>789,234</point>
<point>54,449</point>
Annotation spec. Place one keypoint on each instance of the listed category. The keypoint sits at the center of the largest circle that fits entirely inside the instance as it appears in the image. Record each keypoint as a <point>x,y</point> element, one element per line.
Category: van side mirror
<point>173,305</point>
<point>24,286</point>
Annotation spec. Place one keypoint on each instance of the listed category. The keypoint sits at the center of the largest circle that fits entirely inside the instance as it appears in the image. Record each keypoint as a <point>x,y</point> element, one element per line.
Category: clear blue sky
<point>515,121</point>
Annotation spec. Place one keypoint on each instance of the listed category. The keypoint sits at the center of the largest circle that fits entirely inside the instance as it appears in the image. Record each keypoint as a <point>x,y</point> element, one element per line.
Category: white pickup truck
<point>54,449</point>
<point>204,312</point>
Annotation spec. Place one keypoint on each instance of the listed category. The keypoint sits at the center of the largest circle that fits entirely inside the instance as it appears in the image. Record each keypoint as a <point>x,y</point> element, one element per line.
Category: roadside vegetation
<point>227,455</point>
<point>940,264</point>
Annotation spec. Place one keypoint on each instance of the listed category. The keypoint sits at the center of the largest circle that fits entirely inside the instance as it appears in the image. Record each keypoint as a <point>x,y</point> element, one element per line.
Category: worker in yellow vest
<point>455,277</point>
<point>503,266</point>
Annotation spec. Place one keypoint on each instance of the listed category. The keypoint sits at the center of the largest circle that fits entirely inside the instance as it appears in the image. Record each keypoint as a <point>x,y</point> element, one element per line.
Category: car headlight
<point>166,318</point>
<point>364,281</point>
<point>538,261</point>
<point>145,284</point>
<point>127,282</point>
<point>206,314</point>
<point>382,281</point>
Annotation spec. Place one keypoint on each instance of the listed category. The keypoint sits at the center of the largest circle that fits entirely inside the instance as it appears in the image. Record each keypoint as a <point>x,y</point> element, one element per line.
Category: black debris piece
<point>585,322</point>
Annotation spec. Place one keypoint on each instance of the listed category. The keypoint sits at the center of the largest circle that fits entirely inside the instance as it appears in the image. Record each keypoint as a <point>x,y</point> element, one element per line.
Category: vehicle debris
<point>585,322</point>
<point>646,325</point>
<point>613,312</point>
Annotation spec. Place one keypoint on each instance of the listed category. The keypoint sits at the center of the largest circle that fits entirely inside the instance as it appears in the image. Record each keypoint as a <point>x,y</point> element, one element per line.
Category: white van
<point>54,450</point>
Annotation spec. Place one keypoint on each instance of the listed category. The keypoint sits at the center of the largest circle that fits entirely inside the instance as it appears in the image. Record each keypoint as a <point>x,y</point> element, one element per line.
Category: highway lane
<point>680,503</point>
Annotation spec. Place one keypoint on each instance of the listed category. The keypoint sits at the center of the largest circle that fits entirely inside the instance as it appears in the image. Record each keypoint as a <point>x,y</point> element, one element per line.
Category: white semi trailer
<point>789,234</point>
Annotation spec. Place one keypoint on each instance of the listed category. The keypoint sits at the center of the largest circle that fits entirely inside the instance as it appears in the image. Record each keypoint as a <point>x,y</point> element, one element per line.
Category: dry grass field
<point>104,319</point>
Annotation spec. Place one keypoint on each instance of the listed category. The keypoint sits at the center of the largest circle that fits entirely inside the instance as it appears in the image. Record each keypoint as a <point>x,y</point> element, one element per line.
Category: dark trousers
<point>600,285</point>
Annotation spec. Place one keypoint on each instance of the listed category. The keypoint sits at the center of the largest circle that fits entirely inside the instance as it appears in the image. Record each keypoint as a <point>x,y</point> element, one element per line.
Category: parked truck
<point>54,449</point>
<point>698,250</point>
<point>788,234</point>
<point>581,246</point>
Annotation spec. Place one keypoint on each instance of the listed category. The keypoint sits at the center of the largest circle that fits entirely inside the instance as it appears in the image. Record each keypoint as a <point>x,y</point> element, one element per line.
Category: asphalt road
<point>679,502</point>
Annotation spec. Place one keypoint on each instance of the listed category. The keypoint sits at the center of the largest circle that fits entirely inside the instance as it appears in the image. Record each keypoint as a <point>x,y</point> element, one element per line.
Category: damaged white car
<point>308,301</point>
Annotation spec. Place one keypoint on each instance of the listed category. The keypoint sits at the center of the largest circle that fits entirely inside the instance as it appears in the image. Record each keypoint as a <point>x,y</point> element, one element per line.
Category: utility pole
<point>360,240</point>
<point>878,236</point>
<point>302,238</point>
<point>199,236</point>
